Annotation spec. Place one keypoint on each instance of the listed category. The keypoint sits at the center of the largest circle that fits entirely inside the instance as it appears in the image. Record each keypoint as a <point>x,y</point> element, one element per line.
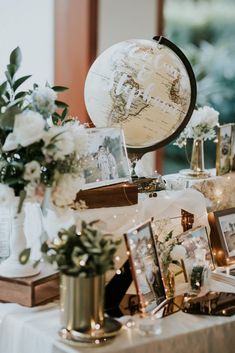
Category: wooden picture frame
<point>224,149</point>
<point>222,236</point>
<point>145,268</point>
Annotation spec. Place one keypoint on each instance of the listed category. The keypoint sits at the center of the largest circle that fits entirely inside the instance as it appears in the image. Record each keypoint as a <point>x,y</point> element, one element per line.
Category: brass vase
<point>197,167</point>
<point>82,303</point>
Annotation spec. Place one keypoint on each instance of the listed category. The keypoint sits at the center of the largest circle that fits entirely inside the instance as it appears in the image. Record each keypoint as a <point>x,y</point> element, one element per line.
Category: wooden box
<point>31,291</point>
<point>123,194</point>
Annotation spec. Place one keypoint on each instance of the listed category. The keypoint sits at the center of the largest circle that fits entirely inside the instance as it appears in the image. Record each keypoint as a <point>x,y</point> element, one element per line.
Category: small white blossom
<point>7,195</point>
<point>43,100</point>
<point>32,171</point>
<point>178,252</point>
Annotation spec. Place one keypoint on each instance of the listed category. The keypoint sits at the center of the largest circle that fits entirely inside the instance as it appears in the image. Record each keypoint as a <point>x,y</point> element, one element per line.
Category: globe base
<point>190,173</point>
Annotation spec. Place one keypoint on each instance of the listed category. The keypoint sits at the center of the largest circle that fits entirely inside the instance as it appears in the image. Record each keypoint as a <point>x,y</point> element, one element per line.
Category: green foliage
<point>12,101</point>
<point>86,254</point>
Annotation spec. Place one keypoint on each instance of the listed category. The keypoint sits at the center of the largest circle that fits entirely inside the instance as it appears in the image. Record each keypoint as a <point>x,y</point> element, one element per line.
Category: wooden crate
<point>31,291</point>
<point>123,194</point>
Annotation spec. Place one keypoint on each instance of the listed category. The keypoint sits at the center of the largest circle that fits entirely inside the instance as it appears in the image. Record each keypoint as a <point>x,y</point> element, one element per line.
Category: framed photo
<point>233,148</point>
<point>223,234</point>
<point>197,244</point>
<point>106,162</point>
<point>145,267</point>
<point>224,149</point>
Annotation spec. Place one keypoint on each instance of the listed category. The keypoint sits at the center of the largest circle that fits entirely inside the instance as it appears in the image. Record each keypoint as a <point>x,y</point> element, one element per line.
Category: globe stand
<point>150,184</point>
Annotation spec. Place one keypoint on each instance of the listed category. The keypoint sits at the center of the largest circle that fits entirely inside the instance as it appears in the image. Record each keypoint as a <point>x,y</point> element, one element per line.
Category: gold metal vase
<point>82,303</point>
<point>197,167</point>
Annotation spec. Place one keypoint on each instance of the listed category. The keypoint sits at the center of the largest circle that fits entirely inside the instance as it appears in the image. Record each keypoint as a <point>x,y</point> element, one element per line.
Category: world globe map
<point>141,86</point>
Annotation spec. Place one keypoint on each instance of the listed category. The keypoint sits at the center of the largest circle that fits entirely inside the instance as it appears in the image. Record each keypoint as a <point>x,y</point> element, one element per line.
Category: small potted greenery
<point>82,257</point>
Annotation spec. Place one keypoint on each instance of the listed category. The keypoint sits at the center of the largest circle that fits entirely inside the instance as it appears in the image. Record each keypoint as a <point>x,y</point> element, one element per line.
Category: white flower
<point>204,116</point>
<point>7,195</point>
<point>201,126</point>
<point>66,190</point>
<point>32,171</point>
<point>178,252</point>
<point>79,136</point>
<point>59,142</point>
<point>28,128</point>
<point>10,143</point>
<point>43,100</point>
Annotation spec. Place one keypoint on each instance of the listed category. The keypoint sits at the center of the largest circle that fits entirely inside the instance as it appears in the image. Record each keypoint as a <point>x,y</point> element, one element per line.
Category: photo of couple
<point>106,162</point>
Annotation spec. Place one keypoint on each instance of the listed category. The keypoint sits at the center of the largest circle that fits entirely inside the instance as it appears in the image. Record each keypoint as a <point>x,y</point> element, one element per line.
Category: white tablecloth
<point>24,330</point>
<point>34,330</point>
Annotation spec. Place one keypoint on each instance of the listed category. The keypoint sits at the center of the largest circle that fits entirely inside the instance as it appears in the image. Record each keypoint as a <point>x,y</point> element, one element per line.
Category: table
<point>34,330</point>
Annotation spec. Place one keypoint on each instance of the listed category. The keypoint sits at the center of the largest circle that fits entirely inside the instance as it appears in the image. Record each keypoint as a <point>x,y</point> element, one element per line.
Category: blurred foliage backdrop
<point>205,32</point>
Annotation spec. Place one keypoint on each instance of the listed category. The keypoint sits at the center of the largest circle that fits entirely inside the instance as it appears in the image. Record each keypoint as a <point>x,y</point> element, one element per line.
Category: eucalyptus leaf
<point>3,88</point>
<point>16,57</point>
<point>7,119</point>
<point>12,70</point>
<point>24,256</point>
<point>19,82</point>
<point>59,88</point>
<point>60,104</point>
<point>9,79</point>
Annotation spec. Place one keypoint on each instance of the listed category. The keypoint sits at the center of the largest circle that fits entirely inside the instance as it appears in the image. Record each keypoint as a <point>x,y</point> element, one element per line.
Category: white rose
<point>178,253</point>
<point>10,143</point>
<point>28,127</point>
<point>66,190</point>
<point>32,171</point>
<point>43,100</point>
<point>7,195</point>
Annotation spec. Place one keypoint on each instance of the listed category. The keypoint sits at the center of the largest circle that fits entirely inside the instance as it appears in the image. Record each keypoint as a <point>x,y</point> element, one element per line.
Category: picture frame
<point>145,267</point>
<point>224,149</point>
<point>233,148</point>
<point>223,235</point>
<point>106,160</point>
<point>196,242</point>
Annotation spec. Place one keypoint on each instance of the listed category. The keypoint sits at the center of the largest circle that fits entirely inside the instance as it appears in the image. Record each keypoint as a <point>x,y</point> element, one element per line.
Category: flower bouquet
<point>35,154</point>
<point>200,128</point>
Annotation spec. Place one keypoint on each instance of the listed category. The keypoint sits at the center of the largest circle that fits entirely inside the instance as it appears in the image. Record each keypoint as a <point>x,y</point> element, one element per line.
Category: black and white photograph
<point>145,266</point>
<point>106,161</point>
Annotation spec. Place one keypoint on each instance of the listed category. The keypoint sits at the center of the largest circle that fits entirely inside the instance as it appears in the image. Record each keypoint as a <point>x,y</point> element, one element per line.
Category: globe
<point>146,87</point>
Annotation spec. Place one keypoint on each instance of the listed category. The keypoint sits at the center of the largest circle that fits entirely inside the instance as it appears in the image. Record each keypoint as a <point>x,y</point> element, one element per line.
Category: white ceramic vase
<point>11,267</point>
